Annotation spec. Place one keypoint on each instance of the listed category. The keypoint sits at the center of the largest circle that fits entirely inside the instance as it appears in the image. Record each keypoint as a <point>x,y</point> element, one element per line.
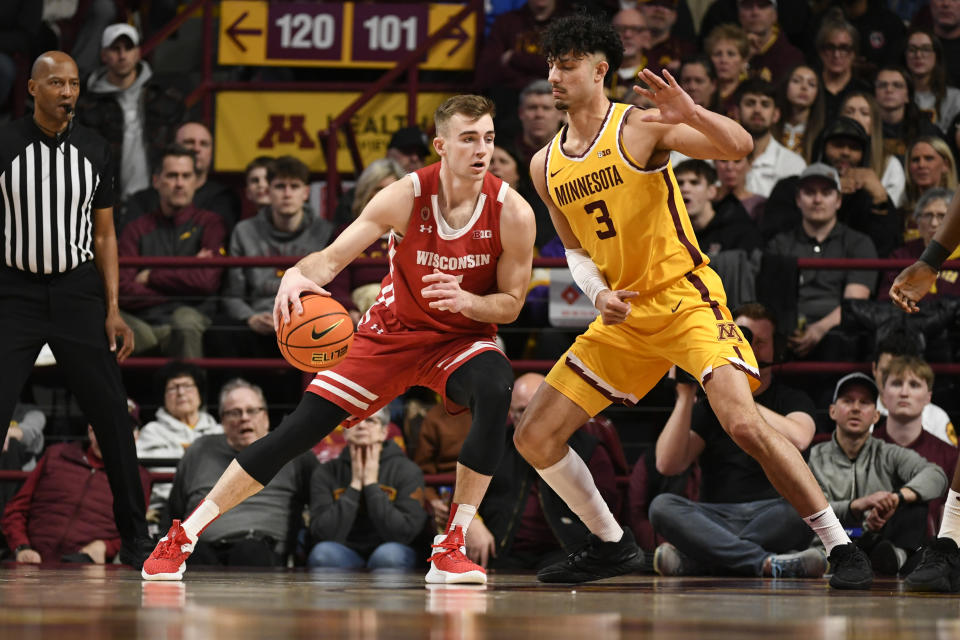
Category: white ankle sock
<point>572,481</point>
<point>463,517</point>
<point>826,525</point>
<point>205,513</point>
<point>950,526</point>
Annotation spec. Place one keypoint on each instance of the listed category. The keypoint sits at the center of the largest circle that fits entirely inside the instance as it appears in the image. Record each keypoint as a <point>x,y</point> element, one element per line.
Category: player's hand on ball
<point>292,285</point>
<point>444,292</point>
<point>614,306</point>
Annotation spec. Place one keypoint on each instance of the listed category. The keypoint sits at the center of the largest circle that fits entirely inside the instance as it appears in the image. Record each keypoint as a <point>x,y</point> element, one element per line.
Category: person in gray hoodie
<point>872,485</point>
<point>285,227</point>
<point>129,109</point>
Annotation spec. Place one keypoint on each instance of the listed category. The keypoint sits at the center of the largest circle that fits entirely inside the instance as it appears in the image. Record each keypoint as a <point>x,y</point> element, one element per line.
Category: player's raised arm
<point>389,209</point>
<point>696,132</point>
<point>915,281</point>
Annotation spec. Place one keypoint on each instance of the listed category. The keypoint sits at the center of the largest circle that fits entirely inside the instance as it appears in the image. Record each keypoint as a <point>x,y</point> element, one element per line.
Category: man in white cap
<point>127,108</point>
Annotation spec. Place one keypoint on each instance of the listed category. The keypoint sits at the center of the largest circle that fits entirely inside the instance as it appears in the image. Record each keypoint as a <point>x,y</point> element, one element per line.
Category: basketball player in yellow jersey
<point>615,203</point>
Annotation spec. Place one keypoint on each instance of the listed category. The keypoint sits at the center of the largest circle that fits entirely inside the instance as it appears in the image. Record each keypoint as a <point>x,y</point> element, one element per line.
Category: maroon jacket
<point>65,504</point>
<point>189,231</point>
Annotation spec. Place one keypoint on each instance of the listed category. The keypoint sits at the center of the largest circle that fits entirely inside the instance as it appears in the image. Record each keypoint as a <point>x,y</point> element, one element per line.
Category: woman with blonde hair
<point>729,50</point>
<point>930,164</point>
<point>862,107</point>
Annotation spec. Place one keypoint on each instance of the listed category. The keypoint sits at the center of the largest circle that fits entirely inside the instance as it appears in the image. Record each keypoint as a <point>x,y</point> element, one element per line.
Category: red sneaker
<point>450,564</point>
<point>169,560</point>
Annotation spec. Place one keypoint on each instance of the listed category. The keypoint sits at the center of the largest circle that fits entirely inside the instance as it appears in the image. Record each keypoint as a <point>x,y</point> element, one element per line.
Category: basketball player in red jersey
<point>461,249</point>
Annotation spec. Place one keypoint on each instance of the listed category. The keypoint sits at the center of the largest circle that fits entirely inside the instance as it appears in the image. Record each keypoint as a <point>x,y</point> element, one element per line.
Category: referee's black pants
<point>68,311</point>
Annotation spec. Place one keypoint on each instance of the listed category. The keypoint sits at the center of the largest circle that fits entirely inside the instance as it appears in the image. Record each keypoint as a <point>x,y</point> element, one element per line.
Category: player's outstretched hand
<point>444,292</point>
<point>674,105</point>
<point>911,285</point>
<point>614,306</point>
<point>292,285</point>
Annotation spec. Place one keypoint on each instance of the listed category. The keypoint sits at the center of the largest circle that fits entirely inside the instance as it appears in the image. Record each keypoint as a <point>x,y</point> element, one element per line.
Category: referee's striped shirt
<point>49,188</point>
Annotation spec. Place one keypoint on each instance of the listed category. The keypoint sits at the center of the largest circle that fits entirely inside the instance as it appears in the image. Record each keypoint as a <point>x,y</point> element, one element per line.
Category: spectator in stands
<point>924,60</point>
<point>63,512</point>
<point>26,428</point>
<point>740,526</point>
<point>881,31</point>
<point>838,44</point>
<point>729,49</point>
<point>800,100</point>
<point>946,26</point>
<point>510,58</point>
<point>507,165</point>
<point>357,288</point>
<point>539,120</point>
<point>871,483</point>
<point>666,49</point>
<point>256,187</point>
<point>698,77</point>
<point>20,20</point>
<point>862,107</point>
<point>732,177</point>
<point>76,27</point>
<point>793,17</point>
<point>770,160</point>
<point>178,423</point>
<point>903,343</point>
<point>634,34</point>
<point>408,147</point>
<point>902,120</point>
<point>285,227</point>
<point>124,103</point>
<point>906,392</point>
<point>209,195</point>
<point>365,505</point>
<point>152,297</point>
<point>720,225</point>
<point>522,523</point>
<point>929,213</point>
<point>260,532</point>
<point>441,436</point>
<point>771,54</point>
<point>930,164</point>
<point>953,139</point>
<point>820,235</point>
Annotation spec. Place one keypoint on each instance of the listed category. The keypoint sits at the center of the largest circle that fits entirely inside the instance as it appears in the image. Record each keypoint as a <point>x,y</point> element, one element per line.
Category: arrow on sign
<point>456,33</point>
<point>234,30</point>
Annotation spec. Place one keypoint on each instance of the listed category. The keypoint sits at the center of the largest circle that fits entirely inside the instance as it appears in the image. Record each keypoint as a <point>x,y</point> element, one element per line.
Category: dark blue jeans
<point>389,555</point>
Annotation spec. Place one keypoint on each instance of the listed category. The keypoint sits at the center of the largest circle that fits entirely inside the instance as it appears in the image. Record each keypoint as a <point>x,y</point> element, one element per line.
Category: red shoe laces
<point>448,546</point>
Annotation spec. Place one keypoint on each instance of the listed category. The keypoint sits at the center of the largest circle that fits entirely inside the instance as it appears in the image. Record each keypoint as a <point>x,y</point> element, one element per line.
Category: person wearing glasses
<point>260,532</point>
<point>924,60</point>
<point>837,44</point>
<point>178,423</point>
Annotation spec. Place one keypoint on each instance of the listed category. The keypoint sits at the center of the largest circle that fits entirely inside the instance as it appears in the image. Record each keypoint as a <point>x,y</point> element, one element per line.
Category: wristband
<point>900,498</point>
<point>934,255</point>
<point>586,274</point>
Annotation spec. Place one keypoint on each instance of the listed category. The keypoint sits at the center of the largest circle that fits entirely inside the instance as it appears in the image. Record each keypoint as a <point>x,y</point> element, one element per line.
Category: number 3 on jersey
<point>604,219</point>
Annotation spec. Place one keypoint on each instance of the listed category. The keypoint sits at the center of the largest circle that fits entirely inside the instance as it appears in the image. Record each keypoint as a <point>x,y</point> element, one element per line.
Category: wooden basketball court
<point>93,602</point>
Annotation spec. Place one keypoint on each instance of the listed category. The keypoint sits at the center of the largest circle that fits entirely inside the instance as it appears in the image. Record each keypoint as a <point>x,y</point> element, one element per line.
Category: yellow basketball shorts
<point>686,324</point>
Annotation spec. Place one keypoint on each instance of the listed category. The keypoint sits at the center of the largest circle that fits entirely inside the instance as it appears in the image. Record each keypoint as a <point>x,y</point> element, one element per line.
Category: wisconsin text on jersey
<point>470,261</point>
<point>593,182</point>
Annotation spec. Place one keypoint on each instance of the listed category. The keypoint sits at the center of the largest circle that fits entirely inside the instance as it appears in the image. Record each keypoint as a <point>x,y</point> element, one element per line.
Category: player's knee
<point>529,440</point>
<point>744,431</point>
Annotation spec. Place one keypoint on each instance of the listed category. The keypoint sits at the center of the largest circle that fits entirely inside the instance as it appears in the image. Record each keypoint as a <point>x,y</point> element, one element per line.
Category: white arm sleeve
<point>586,274</point>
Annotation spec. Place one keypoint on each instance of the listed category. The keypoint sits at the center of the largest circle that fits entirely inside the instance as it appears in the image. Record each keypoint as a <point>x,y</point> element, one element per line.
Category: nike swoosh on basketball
<point>553,173</point>
<point>674,310</point>
<point>317,336</point>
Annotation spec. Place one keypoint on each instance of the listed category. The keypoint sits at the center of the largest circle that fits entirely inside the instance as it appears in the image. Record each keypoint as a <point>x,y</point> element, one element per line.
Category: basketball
<point>318,339</point>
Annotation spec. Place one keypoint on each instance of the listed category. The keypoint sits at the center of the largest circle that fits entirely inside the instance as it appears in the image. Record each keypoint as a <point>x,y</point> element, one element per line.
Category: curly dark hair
<point>582,34</point>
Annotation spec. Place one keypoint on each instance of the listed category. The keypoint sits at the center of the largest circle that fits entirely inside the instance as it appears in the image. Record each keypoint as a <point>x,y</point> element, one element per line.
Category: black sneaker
<point>135,552</point>
<point>886,558</point>
<point>596,560</point>
<point>938,570</point>
<point>850,567</point>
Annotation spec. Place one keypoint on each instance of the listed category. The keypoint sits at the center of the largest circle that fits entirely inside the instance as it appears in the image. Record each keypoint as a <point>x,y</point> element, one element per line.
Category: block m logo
<point>728,331</point>
<point>286,130</point>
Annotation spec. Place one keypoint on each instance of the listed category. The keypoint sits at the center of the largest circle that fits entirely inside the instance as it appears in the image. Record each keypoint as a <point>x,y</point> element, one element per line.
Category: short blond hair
<point>471,106</point>
<point>899,365</point>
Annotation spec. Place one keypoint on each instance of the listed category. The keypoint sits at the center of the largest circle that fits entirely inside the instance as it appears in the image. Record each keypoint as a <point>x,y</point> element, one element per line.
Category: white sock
<point>950,526</point>
<point>826,525</point>
<point>572,481</point>
<point>463,517</point>
<point>205,513</point>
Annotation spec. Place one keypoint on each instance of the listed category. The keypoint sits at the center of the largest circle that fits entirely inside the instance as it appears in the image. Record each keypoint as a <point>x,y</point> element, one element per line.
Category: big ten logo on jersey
<point>482,234</point>
<point>728,331</point>
<point>604,153</point>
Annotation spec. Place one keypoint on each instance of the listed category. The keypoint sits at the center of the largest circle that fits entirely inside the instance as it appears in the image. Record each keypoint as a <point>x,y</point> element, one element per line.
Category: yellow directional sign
<point>343,34</point>
<point>257,123</point>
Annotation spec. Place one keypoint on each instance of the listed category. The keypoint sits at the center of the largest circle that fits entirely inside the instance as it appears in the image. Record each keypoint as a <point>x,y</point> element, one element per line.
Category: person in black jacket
<point>719,226</point>
<point>365,505</point>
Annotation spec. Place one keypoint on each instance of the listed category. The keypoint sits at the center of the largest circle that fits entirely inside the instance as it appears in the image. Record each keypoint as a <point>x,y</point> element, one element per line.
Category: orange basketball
<point>318,339</point>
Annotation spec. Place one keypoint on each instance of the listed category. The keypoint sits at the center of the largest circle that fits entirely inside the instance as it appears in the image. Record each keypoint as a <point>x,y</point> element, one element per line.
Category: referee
<point>58,278</point>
